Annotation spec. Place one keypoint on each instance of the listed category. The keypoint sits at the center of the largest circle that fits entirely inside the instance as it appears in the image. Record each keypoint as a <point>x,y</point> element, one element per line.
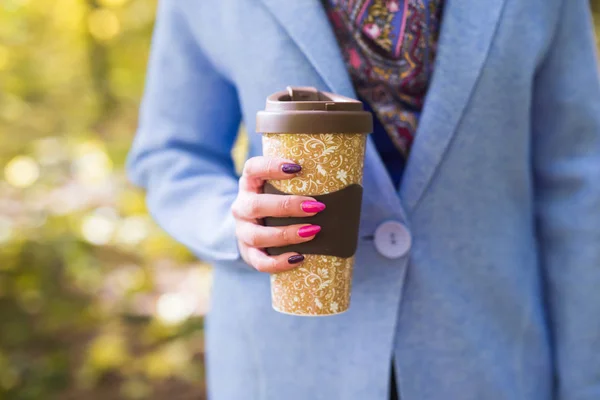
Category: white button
<point>392,239</point>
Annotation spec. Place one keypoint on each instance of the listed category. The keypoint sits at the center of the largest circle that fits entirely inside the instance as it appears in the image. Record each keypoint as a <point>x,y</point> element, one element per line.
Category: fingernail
<point>309,230</point>
<point>291,168</point>
<point>296,258</point>
<point>312,206</point>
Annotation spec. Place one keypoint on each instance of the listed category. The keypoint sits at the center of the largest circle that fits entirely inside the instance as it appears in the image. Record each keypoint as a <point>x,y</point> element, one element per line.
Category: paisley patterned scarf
<point>389,48</point>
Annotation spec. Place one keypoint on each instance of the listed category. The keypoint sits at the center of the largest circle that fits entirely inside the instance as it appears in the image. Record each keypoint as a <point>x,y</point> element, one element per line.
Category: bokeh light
<point>92,165</point>
<point>173,308</point>
<point>98,228</point>
<point>104,24</point>
<point>132,230</point>
<point>67,15</point>
<point>21,171</point>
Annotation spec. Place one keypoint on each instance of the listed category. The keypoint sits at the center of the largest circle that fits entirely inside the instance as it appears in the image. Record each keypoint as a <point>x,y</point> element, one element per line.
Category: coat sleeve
<point>181,154</point>
<point>566,159</point>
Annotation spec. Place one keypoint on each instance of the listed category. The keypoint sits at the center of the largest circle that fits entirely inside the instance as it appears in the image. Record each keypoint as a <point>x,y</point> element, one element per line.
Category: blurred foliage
<point>95,300</point>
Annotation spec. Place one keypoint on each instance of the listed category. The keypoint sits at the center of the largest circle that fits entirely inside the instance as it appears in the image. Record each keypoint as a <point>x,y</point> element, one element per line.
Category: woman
<point>485,160</point>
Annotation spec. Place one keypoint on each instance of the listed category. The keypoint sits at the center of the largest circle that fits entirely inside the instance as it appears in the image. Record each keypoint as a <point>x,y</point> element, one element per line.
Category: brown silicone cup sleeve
<point>339,223</point>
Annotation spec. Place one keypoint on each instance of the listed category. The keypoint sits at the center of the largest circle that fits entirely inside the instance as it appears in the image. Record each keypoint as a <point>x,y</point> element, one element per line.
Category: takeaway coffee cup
<point>326,134</point>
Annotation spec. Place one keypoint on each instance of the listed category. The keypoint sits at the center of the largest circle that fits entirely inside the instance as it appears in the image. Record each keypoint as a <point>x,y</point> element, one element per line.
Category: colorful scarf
<point>389,47</point>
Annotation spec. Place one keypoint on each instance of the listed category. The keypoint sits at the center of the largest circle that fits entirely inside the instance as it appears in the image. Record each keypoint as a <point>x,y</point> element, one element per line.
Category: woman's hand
<point>252,204</point>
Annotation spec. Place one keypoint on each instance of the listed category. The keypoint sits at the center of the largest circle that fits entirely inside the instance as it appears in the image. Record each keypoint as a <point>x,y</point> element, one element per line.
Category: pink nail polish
<point>312,206</point>
<point>309,230</point>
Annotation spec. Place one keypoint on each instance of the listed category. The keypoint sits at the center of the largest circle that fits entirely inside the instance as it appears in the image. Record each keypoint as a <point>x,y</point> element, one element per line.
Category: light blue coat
<point>499,296</point>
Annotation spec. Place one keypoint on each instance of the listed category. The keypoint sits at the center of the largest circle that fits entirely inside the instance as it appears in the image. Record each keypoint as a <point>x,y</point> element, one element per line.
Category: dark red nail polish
<point>309,230</point>
<point>295,259</point>
<point>312,206</point>
<point>291,168</point>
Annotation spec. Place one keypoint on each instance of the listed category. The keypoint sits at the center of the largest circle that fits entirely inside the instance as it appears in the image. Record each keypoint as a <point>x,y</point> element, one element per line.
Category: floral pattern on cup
<point>330,162</point>
<point>320,286</point>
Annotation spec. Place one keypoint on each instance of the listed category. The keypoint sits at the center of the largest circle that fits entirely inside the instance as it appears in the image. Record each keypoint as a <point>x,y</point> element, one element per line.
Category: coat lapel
<point>308,26</point>
<point>467,31</point>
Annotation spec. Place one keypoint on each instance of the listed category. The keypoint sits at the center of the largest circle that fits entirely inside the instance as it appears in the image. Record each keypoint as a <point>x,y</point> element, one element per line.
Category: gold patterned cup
<point>326,135</point>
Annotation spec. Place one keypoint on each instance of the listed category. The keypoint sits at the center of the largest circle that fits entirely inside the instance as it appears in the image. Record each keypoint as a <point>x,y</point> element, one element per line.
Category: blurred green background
<point>95,300</point>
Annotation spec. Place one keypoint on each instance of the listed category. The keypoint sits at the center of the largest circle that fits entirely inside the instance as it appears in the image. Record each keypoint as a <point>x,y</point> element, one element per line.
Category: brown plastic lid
<point>307,110</point>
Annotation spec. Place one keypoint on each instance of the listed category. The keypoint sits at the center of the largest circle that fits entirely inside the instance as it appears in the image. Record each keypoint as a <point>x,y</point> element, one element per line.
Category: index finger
<point>270,168</point>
